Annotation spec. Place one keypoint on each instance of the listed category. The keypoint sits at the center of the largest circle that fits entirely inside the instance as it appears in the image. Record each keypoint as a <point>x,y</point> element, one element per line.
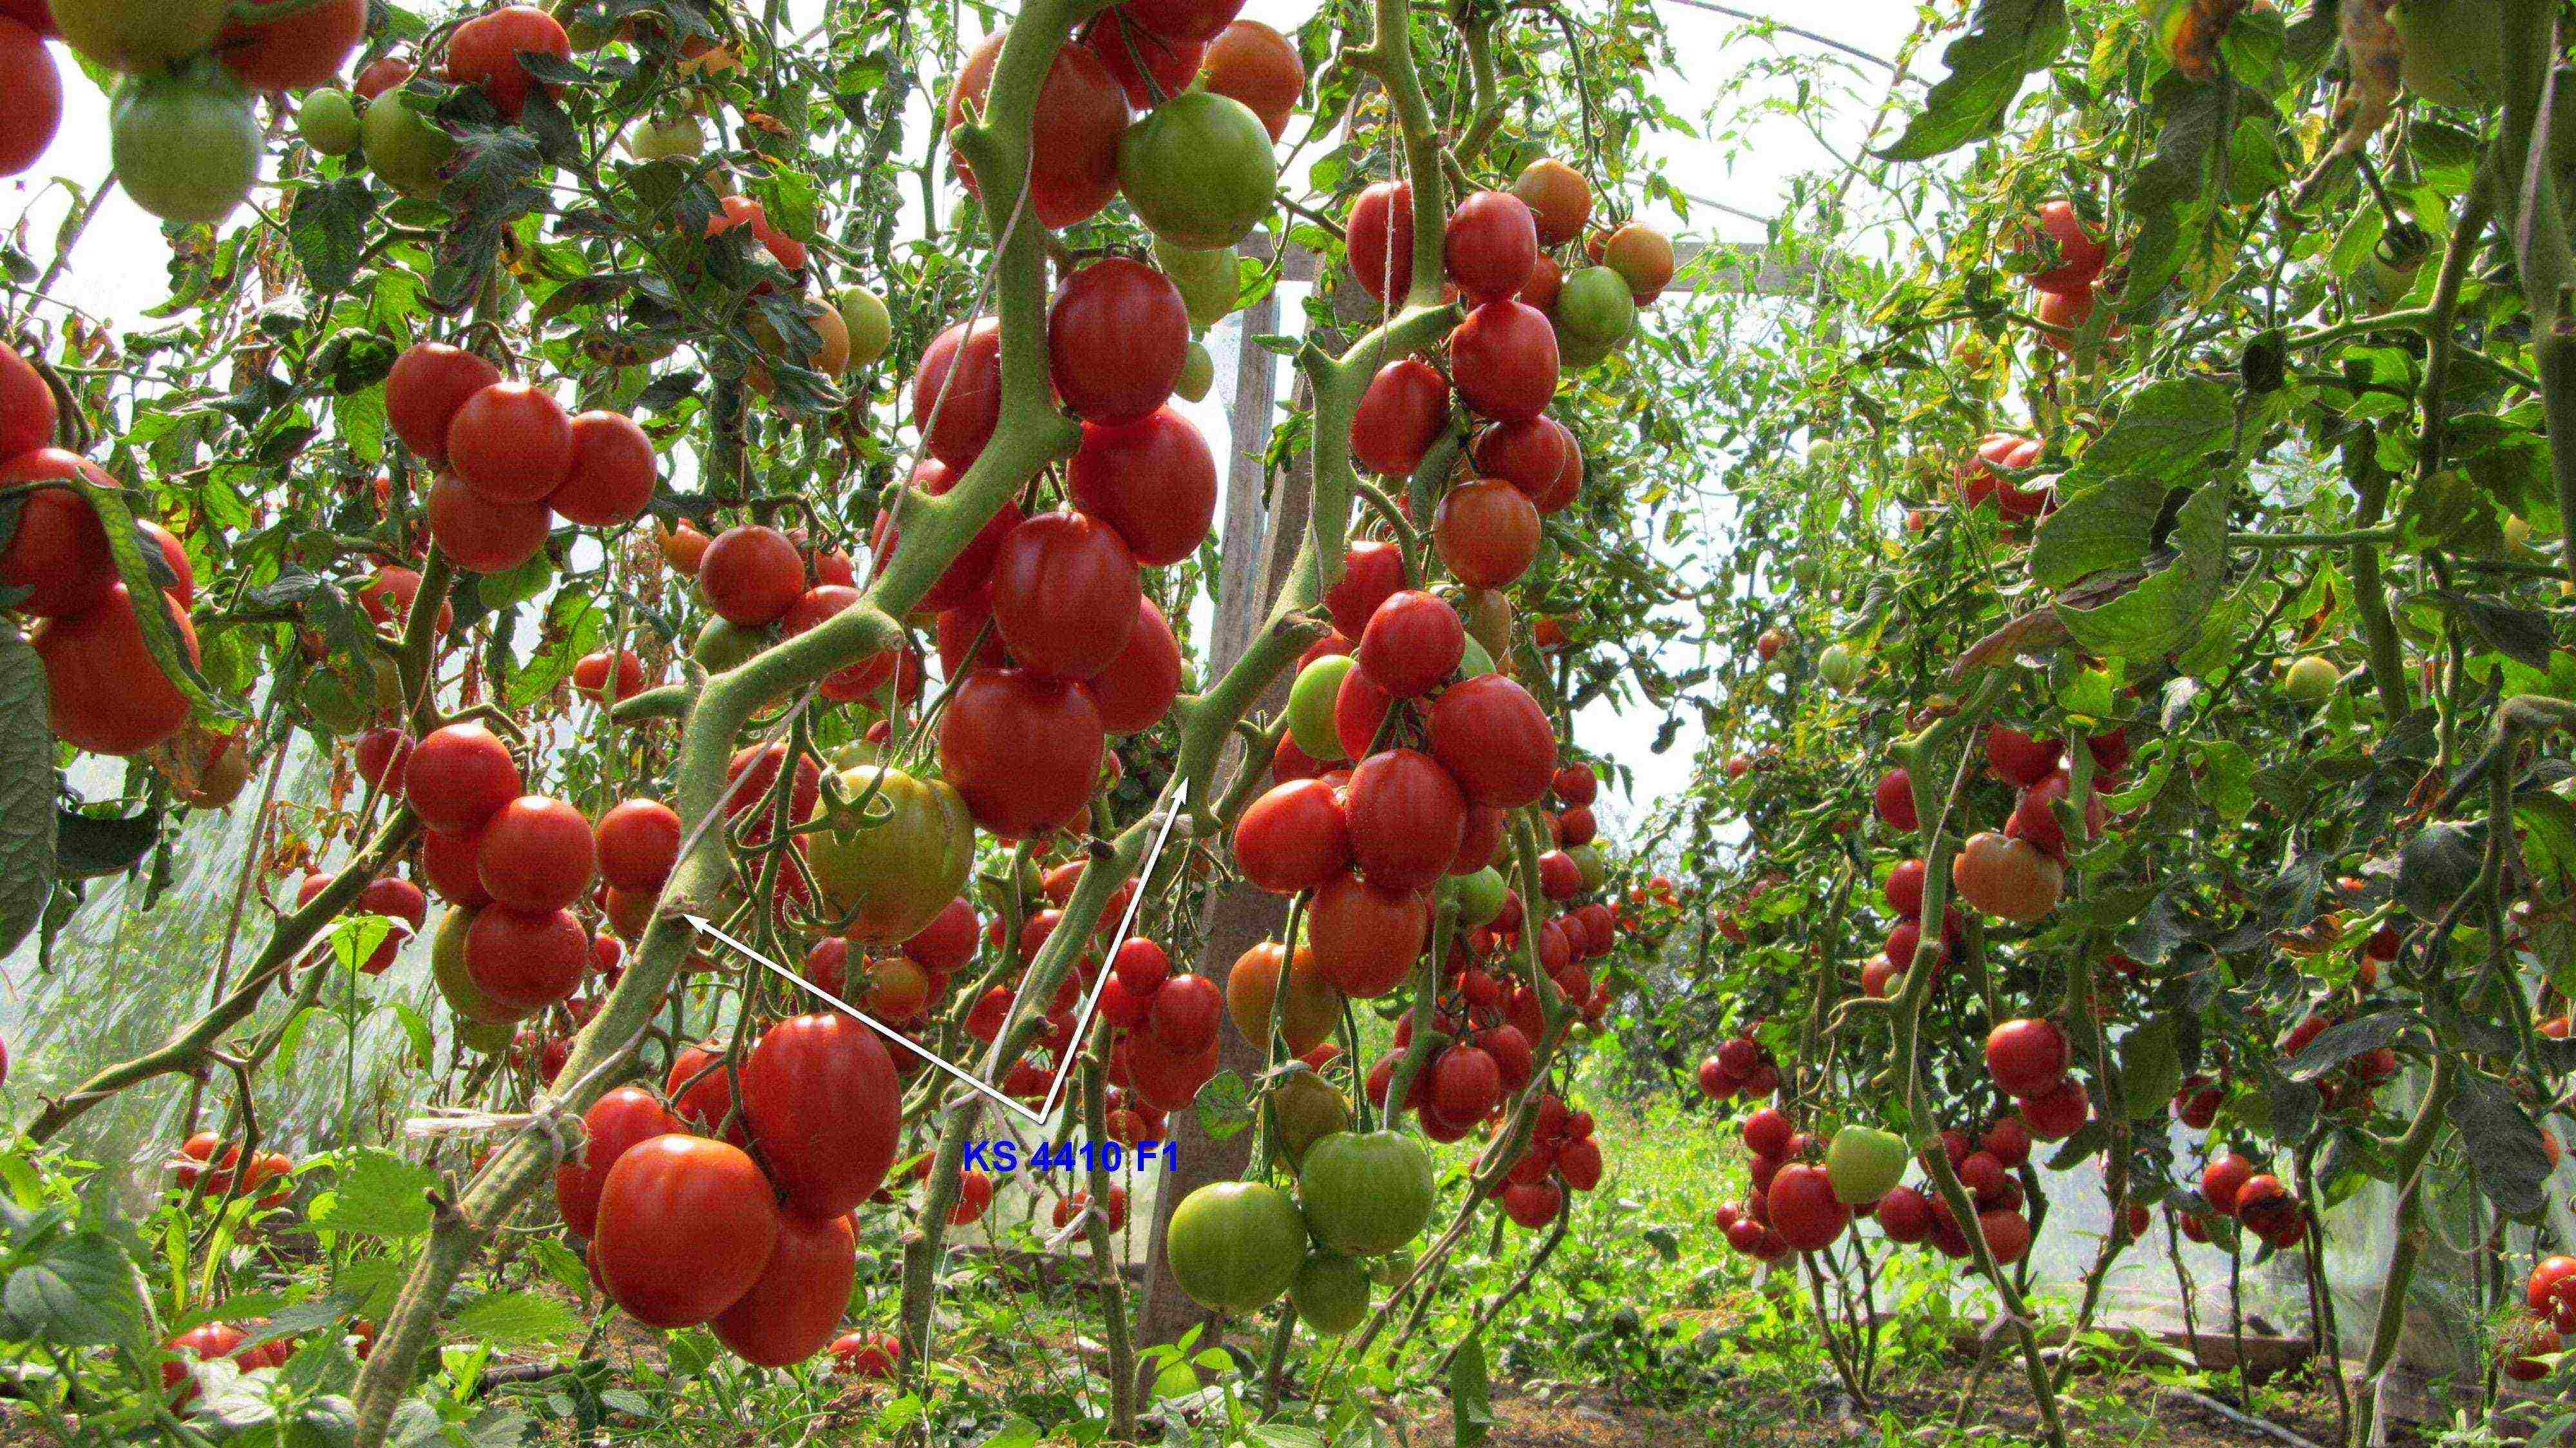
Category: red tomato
<point>685,1227</point>
<point>485,51</point>
<point>537,854</point>
<point>751,575</point>
<point>1406,817</point>
<point>35,111</point>
<point>27,408</point>
<point>615,1122</point>
<point>612,473</point>
<point>59,553</point>
<point>105,691</point>
<point>2077,253</point>
<point>480,535</point>
<point>1487,531</point>
<point>823,1102</point>
<point>963,581</point>
<point>1490,244</point>
<point>525,961</point>
<point>1258,66</point>
<point>452,864</point>
<point>1399,417</point>
<point>1379,239</point>
<point>1132,54</point>
<point>1182,19</point>
<point>948,941</point>
<point>1503,360</point>
<point>1153,480</point>
<point>459,777</point>
<point>295,51</point>
<point>1116,339</point>
<point>792,1309</point>
<point>1081,113</point>
<point>1293,838</point>
<point>957,392</point>
<point>1366,938</point>
<point>637,843</point>
<point>1065,594</point>
<point>1413,641</point>
<point>1184,1013</point>
<point>429,383</point>
<point>1024,751</point>
<point>1372,572</point>
<point>1137,688</point>
<point>1359,713</point>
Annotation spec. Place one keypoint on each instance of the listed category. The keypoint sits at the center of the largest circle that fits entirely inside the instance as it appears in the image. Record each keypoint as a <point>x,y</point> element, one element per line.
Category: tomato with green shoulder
<point>1235,1246</point>
<point>1366,1193</point>
<point>1198,170</point>
<point>896,851</point>
<point>187,147</point>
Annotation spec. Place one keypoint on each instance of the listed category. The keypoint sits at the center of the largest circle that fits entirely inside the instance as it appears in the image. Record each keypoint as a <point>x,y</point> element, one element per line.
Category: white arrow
<point>869,1021</point>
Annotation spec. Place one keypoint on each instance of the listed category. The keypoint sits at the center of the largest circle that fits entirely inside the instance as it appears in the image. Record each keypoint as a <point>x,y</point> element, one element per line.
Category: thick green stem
<point>2407,1169</point>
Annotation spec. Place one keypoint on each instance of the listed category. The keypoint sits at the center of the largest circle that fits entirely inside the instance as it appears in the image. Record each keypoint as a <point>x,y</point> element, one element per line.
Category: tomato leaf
<point>2006,41</point>
<point>80,1291</point>
<point>2504,1145</point>
<point>2337,1044</point>
<point>1470,1393</point>
<point>145,574</point>
<point>27,786</point>
<point>89,847</point>
<point>378,1195</point>
<point>516,1319</point>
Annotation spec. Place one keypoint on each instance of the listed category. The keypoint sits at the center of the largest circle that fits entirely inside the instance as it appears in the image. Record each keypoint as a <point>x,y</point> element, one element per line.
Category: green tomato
<point>2454,50</point>
<point>1307,1109</point>
<point>1198,170</point>
<point>344,697</point>
<point>1596,306</point>
<point>328,121</point>
<point>1480,896</point>
<point>1207,280</point>
<point>1235,1246</point>
<point>1588,863</point>
<point>139,38</point>
<point>677,139</point>
<point>1576,352</point>
<point>894,856</point>
<point>187,150</point>
<point>1840,668</point>
<point>2436,867</point>
<point>871,326</point>
<point>1864,1163</point>
<point>1391,1269</point>
<point>2310,680</point>
<point>724,644</point>
<point>447,968</point>
<point>485,1038</point>
<point>405,146</point>
<point>1310,707</point>
<point>1366,1193</point>
<point>1198,374</point>
<point>1330,1293</point>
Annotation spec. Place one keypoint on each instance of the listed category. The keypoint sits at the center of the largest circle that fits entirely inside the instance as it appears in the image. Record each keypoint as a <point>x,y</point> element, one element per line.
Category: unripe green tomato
<point>675,138</point>
<point>1207,280</point>
<point>1198,170</point>
<point>724,644</point>
<point>2455,50</point>
<point>1840,668</point>
<point>447,969</point>
<point>187,147</point>
<point>1473,660</point>
<point>328,121</point>
<point>1331,1292</point>
<point>1597,307</point>
<point>1479,896</point>
<point>1864,1163</point>
<point>2310,680</point>
<point>485,1038</point>
<point>1198,374</point>
<point>871,326</point>
<point>139,38</point>
<point>1588,863</point>
<point>1310,707</point>
<point>1576,352</point>
<point>405,146</point>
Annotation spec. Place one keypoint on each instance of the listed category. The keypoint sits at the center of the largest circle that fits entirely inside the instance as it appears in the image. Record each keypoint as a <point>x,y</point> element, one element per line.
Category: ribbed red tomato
<point>1490,244</point>
<point>59,553</point>
<point>296,51</point>
<point>1379,238</point>
<point>823,1103</point>
<point>1137,688</point>
<point>105,691</point>
<point>1803,1207</point>
<point>1366,938</point>
<point>423,392</point>
<point>957,392</point>
<point>1372,572</point>
<point>28,413</point>
<point>485,51</point>
<point>525,961</point>
<point>538,854</point>
<point>612,472</point>
<point>685,1227</point>
<point>1487,532</point>
<point>796,1305</point>
<point>1537,455</point>
<point>1399,417</point>
<point>1413,641</point>
<point>459,777</point>
<point>1152,479</point>
<point>616,1122</point>
<point>1406,819</point>
<point>1081,112</point>
<point>480,535</point>
<point>751,574</point>
<point>1293,838</point>
<point>1503,360</point>
<point>34,85</point>
<point>1065,594</point>
<point>1117,337</point>
<point>1023,750</point>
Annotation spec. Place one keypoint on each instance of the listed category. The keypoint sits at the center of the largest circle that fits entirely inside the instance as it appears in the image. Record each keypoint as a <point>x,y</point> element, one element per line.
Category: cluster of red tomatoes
<point>2027,1059</point>
<point>1741,1066</point>
<point>511,459</point>
<point>2550,1294</point>
<point>105,691</point>
<point>214,1164</point>
<point>2072,259</point>
<point>2257,1200</point>
<point>1561,1155</point>
<point>685,1226</point>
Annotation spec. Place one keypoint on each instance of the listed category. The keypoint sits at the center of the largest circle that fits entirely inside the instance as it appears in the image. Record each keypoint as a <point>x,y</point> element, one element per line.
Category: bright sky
<point>120,269</point>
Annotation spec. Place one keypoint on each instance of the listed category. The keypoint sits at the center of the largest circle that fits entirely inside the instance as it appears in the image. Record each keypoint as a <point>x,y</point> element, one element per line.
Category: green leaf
<point>2504,1145</point>
<point>1470,1393</point>
<point>2164,612</point>
<point>2006,41</point>
<point>81,1291</point>
<point>1224,1106</point>
<point>2167,432</point>
<point>2111,526</point>
<point>327,228</point>
<point>2519,634</point>
<point>516,1319</point>
<point>2337,1044</point>
<point>90,847</point>
<point>378,1195</point>
<point>27,786</point>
